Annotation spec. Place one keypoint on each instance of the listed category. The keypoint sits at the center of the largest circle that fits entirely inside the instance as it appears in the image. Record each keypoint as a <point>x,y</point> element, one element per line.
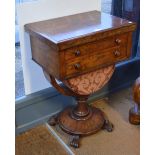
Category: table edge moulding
<point>80,50</point>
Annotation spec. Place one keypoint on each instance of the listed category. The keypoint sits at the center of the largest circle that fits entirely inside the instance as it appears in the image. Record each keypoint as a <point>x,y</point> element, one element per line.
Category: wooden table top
<point>71,27</point>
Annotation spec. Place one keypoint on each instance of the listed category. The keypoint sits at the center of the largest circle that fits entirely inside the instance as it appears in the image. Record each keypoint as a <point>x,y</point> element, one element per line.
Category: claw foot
<point>75,142</point>
<point>53,121</point>
<point>108,126</point>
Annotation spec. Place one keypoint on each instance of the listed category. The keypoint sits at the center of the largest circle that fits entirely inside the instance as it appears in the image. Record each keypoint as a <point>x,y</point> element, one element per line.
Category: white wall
<point>34,79</point>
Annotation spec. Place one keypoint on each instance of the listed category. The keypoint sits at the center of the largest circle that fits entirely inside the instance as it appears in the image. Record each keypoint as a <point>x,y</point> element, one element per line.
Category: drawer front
<point>90,62</point>
<point>95,47</point>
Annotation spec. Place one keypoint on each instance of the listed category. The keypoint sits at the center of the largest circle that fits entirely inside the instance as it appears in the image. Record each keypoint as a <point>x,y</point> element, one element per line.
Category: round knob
<point>77,66</point>
<point>117,53</point>
<point>118,41</point>
<point>77,53</point>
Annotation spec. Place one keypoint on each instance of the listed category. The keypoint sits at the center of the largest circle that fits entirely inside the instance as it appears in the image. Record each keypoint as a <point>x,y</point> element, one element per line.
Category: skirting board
<point>37,108</point>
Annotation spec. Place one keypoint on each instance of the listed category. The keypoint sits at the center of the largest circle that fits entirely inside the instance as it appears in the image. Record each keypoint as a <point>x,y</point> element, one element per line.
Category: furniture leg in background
<point>134,113</point>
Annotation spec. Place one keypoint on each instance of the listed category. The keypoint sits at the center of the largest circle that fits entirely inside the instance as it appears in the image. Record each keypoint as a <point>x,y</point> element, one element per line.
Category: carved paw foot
<point>53,120</point>
<point>108,126</point>
<point>75,141</point>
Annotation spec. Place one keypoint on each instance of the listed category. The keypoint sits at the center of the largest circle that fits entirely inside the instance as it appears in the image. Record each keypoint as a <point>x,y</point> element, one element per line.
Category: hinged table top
<point>67,30</point>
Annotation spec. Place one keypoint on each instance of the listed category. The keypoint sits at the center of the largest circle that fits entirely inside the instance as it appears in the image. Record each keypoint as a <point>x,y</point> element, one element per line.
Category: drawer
<point>97,60</point>
<point>97,46</point>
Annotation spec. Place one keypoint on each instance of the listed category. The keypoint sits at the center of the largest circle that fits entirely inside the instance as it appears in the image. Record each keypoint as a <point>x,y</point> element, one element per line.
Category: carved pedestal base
<point>78,127</point>
<point>82,120</point>
<point>86,125</point>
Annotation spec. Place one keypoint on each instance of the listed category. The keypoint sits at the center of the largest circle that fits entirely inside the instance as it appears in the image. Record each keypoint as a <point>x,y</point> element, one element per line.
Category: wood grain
<point>73,30</point>
<point>45,56</point>
<point>87,41</point>
<point>94,62</point>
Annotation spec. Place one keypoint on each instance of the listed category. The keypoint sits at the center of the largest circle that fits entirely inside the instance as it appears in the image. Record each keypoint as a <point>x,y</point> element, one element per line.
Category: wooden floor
<point>124,140</point>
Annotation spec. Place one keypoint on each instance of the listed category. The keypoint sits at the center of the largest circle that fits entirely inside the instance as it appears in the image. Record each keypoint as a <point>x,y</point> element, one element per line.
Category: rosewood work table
<point>81,51</point>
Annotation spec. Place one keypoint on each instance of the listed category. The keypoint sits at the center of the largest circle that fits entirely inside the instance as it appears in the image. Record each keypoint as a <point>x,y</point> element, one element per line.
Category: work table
<point>81,51</point>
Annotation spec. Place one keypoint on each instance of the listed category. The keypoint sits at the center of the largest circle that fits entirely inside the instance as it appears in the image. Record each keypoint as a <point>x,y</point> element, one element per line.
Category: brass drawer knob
<point>117,53</point>
<point>118,41</point>
<point>77,53</point>
<point>77,66</point>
